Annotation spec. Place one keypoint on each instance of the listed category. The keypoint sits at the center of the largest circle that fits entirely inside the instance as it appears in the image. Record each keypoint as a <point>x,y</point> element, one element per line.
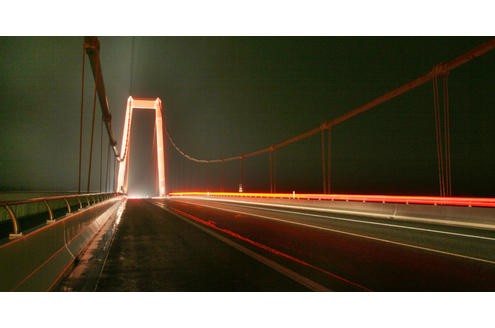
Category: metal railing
<point>27,214</point>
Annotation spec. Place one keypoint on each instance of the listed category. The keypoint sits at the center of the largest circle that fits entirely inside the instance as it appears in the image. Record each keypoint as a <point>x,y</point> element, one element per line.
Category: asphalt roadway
<point>154,250</point>
<point>200,245</point>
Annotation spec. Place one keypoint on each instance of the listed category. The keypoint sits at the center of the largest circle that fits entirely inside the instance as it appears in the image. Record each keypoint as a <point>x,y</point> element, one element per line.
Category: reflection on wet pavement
<point>87,268</point>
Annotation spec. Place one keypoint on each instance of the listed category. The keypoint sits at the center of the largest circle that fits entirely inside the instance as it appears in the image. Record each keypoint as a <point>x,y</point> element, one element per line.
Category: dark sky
<point>229,95</point>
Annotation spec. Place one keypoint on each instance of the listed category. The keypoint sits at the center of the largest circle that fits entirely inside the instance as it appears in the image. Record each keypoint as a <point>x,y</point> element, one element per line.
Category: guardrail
<point>29,214</point>
<point>37,260</point>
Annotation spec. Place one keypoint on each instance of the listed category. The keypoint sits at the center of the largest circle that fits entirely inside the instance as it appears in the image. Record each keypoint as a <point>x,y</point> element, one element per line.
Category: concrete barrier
<point>37,260</point>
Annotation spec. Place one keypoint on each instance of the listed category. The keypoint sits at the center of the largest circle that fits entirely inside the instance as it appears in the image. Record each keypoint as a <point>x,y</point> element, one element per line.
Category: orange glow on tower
<point>142,103</point>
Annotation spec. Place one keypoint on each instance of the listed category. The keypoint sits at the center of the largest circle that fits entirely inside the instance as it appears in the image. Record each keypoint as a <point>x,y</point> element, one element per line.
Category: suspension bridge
<point>228,237</point>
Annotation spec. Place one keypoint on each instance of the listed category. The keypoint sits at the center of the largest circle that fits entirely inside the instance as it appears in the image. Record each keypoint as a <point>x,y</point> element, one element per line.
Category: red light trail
<point>420,200</point>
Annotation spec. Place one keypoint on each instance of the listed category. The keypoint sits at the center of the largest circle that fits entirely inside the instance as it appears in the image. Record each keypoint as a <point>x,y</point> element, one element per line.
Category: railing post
<point>50,220</point>
<point>80,204</point>
<point>16,233</point>
<point>68,206</point>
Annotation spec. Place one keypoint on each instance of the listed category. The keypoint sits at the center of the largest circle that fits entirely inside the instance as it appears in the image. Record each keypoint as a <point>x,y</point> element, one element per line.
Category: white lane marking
<point>254,206</point>
<point>351,234</point>
<point>314,286</point>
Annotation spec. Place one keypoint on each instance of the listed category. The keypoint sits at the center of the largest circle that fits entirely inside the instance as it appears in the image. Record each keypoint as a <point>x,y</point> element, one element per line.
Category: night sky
<point>225,96</point>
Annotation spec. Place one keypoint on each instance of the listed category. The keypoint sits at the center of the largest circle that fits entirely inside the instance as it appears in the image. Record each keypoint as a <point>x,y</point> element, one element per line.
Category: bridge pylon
<point>123,175</point>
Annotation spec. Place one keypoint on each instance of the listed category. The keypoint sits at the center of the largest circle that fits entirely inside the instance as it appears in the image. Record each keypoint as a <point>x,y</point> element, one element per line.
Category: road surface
<point>200,245</point>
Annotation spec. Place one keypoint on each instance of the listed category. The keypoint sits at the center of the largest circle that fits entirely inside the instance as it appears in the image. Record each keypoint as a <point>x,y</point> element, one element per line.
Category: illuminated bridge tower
<point>147,103</point>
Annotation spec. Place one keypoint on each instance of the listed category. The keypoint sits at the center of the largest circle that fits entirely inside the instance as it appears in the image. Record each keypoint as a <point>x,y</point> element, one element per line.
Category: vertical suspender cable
<point>219,177</point>
<point>114,182</point>
<point>271,170</point>
<point>274,172</point>
<point>323,164</point>
<point>329,167</point>
<point>197,183</point>
<point>81,120</point>
<point>192,177</point>
<point>222,168</point>
<point>91,143</point>
<point>131,66</point>
<point>199,176</point>
<point>188,172</point>
<point>101,149</point>
<point>438,137</point>
<point>106,175</point>
<point>185,176</point>
<point>242,174</point>
<point>446,127</point>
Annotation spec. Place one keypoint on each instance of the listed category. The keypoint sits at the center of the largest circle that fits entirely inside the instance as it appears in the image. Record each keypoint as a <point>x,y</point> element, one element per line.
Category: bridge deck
<point>199,245</point>
<point>154,250</point>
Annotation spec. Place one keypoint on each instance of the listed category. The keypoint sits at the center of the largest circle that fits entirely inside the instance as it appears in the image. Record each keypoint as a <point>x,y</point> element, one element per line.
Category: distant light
<point>137,196</point>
